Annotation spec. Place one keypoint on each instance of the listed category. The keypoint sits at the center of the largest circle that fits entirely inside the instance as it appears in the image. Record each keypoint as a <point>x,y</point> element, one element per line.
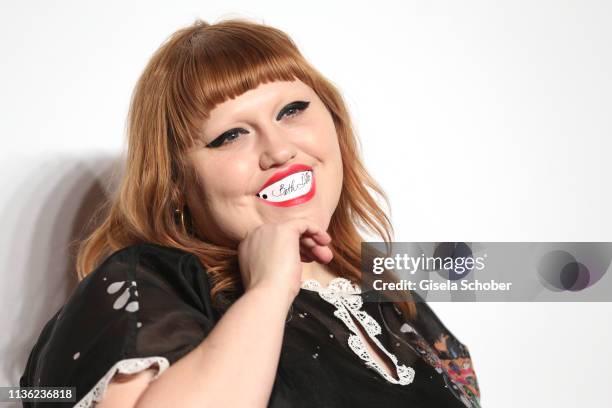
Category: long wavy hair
<point>195,69</point>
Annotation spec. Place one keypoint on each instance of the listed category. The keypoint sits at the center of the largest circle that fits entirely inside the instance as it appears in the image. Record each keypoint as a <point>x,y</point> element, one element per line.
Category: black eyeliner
<point>219,141</point>
<point>300,105</point>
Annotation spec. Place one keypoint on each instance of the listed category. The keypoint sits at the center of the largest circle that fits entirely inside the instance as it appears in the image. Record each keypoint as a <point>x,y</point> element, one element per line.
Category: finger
<point>304,225</point>
<point>308,249</point>
<point>310,254</point>
<point>321,237</point>
<point>308,242</point>
<point>308,227</point>
<point>322,254</point>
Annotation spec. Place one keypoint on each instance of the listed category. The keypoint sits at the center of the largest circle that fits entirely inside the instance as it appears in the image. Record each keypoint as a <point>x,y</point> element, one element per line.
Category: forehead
<point>268,94</point>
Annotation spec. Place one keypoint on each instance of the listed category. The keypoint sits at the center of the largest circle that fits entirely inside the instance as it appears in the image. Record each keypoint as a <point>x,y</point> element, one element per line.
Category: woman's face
<point>269,155</point>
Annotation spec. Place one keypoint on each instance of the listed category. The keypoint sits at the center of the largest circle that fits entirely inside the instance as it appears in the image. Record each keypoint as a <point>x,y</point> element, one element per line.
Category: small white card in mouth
<point>290,187</point>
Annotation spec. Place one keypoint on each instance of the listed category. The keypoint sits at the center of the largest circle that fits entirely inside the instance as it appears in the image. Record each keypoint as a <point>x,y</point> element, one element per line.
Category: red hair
<point>195,69</point>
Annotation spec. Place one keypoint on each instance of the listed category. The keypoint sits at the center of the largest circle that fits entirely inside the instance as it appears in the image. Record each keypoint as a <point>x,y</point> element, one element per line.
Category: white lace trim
<point>127,366</point>
<point>343,294</point>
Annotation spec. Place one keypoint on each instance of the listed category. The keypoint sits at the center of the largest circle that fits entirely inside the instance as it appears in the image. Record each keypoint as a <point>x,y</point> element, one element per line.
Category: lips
<point>292,186</point>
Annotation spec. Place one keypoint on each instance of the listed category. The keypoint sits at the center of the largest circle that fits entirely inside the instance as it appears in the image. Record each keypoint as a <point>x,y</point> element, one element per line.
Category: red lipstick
<point>294,168</point>
<point>279,175</point>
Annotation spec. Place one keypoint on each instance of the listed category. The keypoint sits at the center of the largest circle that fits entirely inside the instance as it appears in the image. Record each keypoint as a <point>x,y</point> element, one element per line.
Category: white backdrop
<point>484,121</point>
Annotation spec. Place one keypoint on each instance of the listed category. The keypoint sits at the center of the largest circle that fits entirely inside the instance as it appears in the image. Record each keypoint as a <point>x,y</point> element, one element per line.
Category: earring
<point>179,211</point>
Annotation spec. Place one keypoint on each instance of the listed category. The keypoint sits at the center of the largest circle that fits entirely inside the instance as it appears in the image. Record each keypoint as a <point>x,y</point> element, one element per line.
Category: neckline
<point>346,297</point>
<point>338,284</point>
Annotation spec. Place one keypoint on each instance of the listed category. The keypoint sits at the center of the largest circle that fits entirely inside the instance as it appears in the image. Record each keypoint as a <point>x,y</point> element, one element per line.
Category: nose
<point>277,148</point>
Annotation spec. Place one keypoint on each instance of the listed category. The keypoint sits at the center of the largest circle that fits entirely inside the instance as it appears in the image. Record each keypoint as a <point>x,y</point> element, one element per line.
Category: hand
<point>271,255</point>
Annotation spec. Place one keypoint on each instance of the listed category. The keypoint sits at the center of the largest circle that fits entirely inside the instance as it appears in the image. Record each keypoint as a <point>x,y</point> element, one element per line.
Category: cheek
<point>225,180</point>
<point>220,215</point>
<point>326,148</point>
<point>225,189</point>
<point>324,140</point>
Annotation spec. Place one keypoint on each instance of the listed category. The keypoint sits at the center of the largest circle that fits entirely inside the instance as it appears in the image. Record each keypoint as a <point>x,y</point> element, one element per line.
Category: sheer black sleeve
<point>145,306</point>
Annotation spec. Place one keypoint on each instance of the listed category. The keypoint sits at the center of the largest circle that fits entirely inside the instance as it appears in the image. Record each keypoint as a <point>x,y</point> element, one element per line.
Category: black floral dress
<point>148,305</point>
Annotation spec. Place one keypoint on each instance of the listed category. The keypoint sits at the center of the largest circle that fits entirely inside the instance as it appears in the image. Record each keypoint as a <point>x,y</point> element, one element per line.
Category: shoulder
<point>161,259</point>
<point>144,304</point>
<point>135,277</point>
<point>175,273</point>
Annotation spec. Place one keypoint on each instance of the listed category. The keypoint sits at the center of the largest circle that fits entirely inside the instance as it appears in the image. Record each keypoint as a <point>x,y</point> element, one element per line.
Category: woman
<point>225,270</point>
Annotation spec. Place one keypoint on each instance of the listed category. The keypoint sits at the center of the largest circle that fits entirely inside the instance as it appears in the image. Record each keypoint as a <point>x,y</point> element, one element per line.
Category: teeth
<point>292,186</point>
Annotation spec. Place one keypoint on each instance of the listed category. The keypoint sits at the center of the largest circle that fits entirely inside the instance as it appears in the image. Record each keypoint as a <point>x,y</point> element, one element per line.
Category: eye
<point>226,138</point>
<point>230,136</point>
<point>293,109</point>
